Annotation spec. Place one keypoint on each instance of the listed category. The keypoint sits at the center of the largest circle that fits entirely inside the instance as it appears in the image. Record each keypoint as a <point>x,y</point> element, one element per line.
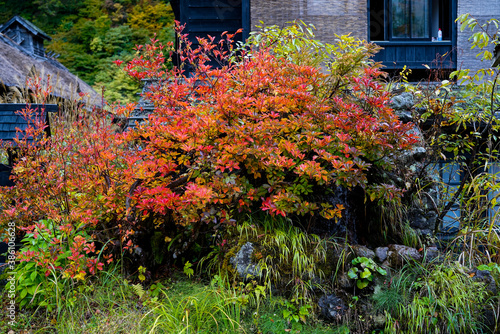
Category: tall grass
<point>213,309</point>
<point>444,299</point>
<point>286,255</point>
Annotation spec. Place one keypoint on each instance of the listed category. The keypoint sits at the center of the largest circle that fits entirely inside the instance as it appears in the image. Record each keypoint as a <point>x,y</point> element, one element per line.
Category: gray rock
<point>332,307</point>
<point>381,253</point>
<point>399,254</point>
<point>431,219</point>
<point>418,152</point>
<point>426,232</point>
<point>419,219</point>
<point>431,253</point>
<point>242,262</point>
<point>378,320</point>
<point>363,251</point>
<point>403,101</point>
<point>485,277</point>
<point>404,116</point>
<point>344,281</point>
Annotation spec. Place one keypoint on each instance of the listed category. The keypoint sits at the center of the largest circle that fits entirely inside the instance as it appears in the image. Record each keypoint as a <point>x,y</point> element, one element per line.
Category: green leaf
<point>352,273</point>
<point>304,310</point>
<point>29,265</point>
<point>361,284</point>
<point>31,289</point>
<point>484,267</point>
<point>366,273</point>
<point>381,271</point>
<point>23,293</point>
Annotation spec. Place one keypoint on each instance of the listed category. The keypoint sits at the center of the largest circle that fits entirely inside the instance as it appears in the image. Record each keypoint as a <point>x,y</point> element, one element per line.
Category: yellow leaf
<point>80,275</point>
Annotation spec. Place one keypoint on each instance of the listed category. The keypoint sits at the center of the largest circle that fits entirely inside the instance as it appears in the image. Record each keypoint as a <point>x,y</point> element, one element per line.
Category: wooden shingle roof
<point>11,120</point>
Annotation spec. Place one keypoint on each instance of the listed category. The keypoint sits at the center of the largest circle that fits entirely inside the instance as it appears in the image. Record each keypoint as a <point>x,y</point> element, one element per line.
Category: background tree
<point>90,34</point>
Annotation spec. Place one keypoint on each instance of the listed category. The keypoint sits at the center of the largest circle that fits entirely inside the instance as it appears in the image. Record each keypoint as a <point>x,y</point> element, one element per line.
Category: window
<point>487,205</point>
<point>494,193</point>
<point>450,176</point>
<point>402,20</point>
<point>409,19</point>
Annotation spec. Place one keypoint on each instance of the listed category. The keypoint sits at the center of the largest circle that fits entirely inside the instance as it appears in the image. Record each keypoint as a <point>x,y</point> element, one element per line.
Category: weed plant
<point>443,299</point>
<point>213,309</point>
<point>287,256</point>
<point>396,291</point>
<point>106,304</point>
<point>269,320</point>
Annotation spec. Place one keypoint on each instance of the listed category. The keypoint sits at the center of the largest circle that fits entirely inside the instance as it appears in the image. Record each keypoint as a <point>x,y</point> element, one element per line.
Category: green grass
<point>417,299</point>
<point>436,299</point>
<point>111,304</point>
<point>107,305</point>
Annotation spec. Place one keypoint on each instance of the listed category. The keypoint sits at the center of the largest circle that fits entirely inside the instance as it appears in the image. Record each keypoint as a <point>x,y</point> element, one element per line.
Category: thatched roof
<point>16,65</point>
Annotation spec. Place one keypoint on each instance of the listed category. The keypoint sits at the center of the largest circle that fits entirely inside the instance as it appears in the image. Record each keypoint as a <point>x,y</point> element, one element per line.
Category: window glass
<point>410,18</point>
<point>449,175</point>
<point>494,193</point>
<point>451,221</point>
<point>419,19</point>
<point>400,18</point>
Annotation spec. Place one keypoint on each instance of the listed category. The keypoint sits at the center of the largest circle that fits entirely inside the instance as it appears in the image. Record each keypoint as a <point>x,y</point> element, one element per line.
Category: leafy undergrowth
<point>112,304</point>
<point>437,298</point>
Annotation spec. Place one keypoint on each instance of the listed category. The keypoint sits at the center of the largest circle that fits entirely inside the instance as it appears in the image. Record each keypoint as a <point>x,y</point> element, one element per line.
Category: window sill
<point>406,43</point>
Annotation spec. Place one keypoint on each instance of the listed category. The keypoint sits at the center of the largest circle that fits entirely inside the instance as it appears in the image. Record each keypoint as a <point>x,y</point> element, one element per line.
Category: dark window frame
<point>443,13</point>
<point>391,27</point>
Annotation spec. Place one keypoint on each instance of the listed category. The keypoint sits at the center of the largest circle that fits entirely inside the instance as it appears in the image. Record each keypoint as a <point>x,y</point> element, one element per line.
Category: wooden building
<point>212,17</point>
<point>408,30</point>
<point>26,35</point>
<point>22,55</point>
<point>12,125</point>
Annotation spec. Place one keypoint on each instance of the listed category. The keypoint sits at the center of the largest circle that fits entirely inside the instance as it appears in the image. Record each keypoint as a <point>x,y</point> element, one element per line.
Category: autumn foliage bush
<point>264,131</point>
<point>260,132</point>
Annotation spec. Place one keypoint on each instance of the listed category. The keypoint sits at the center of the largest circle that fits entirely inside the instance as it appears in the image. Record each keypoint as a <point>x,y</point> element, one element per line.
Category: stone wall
<point>482,10</point>
<point>330,17</point>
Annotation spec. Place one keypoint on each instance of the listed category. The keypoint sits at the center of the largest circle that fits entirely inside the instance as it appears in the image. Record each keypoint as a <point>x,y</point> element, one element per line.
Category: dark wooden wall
<point>415,55</point>
<point>10,119</point>
<point>10,122</point>
<point>212,17</point>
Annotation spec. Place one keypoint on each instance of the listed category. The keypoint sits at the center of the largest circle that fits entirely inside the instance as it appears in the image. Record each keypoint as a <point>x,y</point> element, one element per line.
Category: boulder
<point>381,253</point>
<point>432,254</point>
<point>363,251</point>
<point>344,281</point>
<point>332,307</point>
<point>485,277</point>
<point>242,262</point>
<point>399,254</point>
<point>402,101</point>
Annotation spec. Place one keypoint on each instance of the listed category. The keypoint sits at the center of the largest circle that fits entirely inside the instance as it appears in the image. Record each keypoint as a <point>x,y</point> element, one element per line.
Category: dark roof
<point>27,24</point>
<point>11,120</point>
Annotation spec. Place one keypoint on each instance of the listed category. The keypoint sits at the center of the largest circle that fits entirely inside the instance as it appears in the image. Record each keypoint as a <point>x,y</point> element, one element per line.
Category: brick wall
<point>330,17</point>
<point>350,16</point>
<point>482,10</point>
